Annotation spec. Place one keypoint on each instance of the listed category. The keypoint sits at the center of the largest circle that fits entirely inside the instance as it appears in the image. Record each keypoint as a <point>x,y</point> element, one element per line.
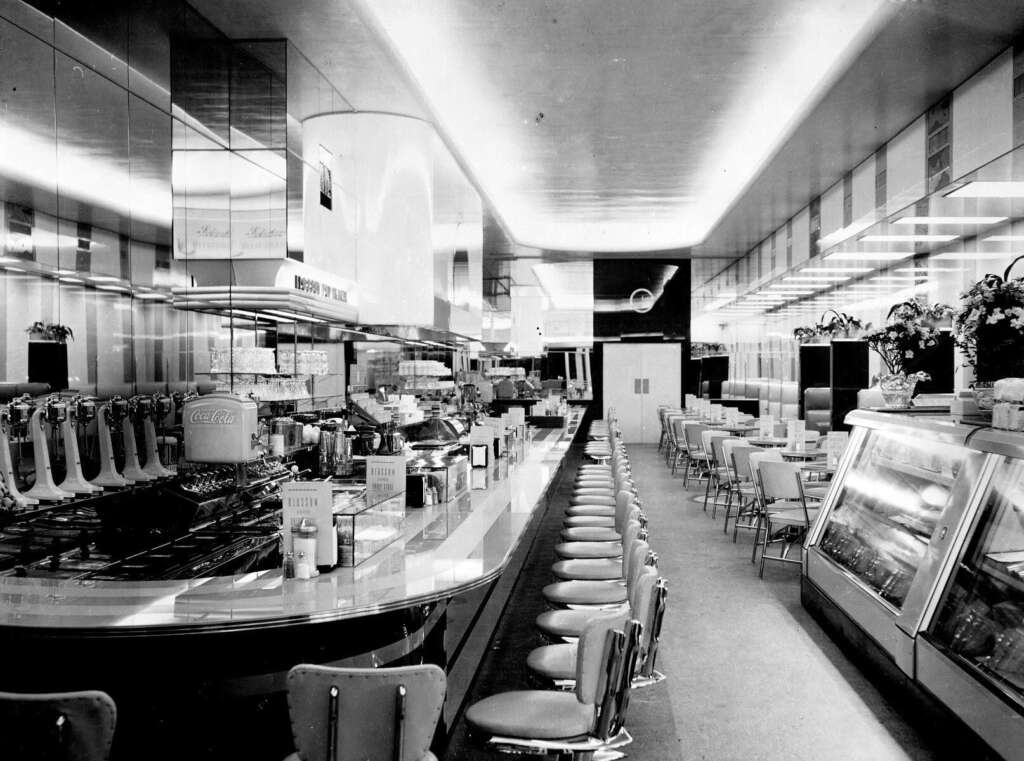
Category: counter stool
<point>602,593</point>
<point>64,726</point>
<point>599,569</point>
<point>566,624</point>
<point>578,549</point>
<point>558,662</point>
<point>341,714</point>
<point>574,724</point>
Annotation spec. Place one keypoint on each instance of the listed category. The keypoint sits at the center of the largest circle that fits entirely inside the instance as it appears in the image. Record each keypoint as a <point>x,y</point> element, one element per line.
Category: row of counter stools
<point>604,622</point>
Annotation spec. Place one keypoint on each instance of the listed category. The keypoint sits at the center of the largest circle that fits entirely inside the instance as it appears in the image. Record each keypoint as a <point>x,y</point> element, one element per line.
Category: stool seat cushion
<point>554,661</point>
<point>593,491</point>
<point>592,569</point>
<point>580,550</point>
<point>604,511</point>
<point>536,714</point>
<point>604,521</point>
<point>565,623</point>
<point>584,593</point>
<point>590,534</point>
<point>594,482</point>
<point>592,499</point>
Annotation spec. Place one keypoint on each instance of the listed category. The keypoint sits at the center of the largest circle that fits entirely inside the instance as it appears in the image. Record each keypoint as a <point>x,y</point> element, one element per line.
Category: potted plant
<point>841,325</point>
<point>989,329</point>
<point>910,327</point>
<point>40,331</point>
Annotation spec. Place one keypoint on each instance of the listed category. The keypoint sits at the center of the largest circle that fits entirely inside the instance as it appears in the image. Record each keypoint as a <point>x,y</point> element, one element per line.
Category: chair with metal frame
<point>693,436</point>
<point>718,469</point>
<point>580,725</point>
<point>64,726</point>
<point>376,714</point>
<point>754,463</point>
<point>785,513</point>
<point>737,460</point>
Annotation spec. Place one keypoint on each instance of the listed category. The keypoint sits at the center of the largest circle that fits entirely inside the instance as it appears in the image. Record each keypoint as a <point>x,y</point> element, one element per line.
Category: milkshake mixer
<point>81,411</point>
<point>109,418</point>
<point>14,420</point>
<point>53,412</point>
<point>139,408</point>
<point>160,407</point>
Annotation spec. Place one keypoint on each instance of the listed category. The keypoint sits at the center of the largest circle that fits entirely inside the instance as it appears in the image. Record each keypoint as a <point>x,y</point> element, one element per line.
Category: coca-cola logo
<point>211,416</point>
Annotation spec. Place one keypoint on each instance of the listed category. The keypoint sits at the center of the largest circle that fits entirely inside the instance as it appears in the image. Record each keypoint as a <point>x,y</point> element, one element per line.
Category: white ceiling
<point>612,126</point>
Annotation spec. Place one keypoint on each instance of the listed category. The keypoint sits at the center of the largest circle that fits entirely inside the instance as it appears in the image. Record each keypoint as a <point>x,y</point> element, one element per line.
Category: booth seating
<point>789,399</point>
<point>63,726</point>
<point>557,662</point>
<point>571,724</point>
<point>347,714</point>
<point>818,409</point>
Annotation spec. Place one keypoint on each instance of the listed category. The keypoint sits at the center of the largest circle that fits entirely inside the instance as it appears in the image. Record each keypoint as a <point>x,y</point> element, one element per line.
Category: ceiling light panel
<point>989,190</point>
<point>930,238</point>
<point>569,166</point>
<point>949,220</point>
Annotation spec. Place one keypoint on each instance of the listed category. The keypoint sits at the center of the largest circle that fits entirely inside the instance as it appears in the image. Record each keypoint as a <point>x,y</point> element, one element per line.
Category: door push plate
<point>636,386</point>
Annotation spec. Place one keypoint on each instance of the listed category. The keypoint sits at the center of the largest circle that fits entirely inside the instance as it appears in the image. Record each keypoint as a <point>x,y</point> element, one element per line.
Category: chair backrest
<point>789,393</point>
<point>765,455</point>
<point>779,480</point>
<point>779,430</point>
<point>694,434</point>
<point>647,603</point>
<point>592,656</point>
<point>70,726</point>
<point>635,561</point>
<point>385,714</point>
<point>717,447</point>
<point>741,460</point>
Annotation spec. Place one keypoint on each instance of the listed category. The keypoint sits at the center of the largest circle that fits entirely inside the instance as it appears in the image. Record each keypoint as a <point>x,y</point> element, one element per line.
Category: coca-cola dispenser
<point>221,428</point>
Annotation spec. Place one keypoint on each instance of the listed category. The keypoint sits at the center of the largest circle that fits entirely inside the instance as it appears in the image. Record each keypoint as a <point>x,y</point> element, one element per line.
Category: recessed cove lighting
<point>909,238</point>
<point>836,269</point>
<point>987,189</point>
<point>881,256</point>
<point>949,220</point>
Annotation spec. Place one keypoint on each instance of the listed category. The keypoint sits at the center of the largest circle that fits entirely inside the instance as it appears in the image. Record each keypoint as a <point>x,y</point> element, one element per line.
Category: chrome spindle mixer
<point>139,408</point>
<point>52,413</point>
<point>159,408</point>
<point>81,412</point>
<point>14,422</point>
<point>109,418</point>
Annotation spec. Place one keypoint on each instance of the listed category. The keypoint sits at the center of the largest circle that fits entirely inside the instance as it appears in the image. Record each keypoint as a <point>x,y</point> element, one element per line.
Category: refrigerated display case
<point>878,544</point>
<point>971,653</point>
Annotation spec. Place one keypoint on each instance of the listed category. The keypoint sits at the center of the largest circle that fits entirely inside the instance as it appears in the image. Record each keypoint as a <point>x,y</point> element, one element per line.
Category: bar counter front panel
<point>198,665</point>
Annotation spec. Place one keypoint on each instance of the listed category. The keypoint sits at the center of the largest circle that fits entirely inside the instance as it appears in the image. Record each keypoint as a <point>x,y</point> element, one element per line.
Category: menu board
<point>314,501</point>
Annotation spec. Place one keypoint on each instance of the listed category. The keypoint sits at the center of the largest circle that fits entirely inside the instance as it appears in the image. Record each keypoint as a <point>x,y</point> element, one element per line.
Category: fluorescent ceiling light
<point>294,316</point>
<point>837,269</point>
<point>949,220</point>
<point>838,236</point>
<point>14,269</point>
<point>103,279</point>
<point>961,256</point>
<point>116,288</point>
<point>882,256</point>
<point>793,290</point>
<point>927,270</point>
<point>931,238</point>
<point>898,278</point>
<point>69,280</point>
<point>151,296</point>
<point>817,279</point>
<point>1004,239</point>
<point>986,189</point>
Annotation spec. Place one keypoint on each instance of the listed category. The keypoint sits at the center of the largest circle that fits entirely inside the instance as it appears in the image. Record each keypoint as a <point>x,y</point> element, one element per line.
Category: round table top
<point>812,454</point>
<point>771,441</point>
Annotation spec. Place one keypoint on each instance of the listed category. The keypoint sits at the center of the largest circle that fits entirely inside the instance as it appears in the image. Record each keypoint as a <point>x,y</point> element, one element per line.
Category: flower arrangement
<point>910,327</point>
<point>840,325</point>
<point>43,331</point>
<point>989,326</point>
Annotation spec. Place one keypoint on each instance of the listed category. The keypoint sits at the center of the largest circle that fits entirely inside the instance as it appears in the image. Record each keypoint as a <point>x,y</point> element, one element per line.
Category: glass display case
<point>890,502</point>
<point>980,623</point>
<point>365,528</point>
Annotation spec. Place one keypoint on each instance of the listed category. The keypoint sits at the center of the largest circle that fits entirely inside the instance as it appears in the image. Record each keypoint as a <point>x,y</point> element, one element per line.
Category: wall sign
<point>641,300</point>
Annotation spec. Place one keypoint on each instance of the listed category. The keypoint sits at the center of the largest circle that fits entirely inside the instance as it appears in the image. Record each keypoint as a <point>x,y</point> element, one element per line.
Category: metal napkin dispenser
<point>220,428</point>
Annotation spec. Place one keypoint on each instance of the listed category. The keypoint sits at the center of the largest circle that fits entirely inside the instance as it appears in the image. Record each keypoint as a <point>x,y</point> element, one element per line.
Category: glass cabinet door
<point>981,620</point>
<point>888,506</point>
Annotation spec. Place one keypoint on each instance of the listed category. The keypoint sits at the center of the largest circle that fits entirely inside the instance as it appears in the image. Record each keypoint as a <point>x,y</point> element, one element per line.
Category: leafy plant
<point>989,326</point>
<point>51,331</point>
<point>910,327</point>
